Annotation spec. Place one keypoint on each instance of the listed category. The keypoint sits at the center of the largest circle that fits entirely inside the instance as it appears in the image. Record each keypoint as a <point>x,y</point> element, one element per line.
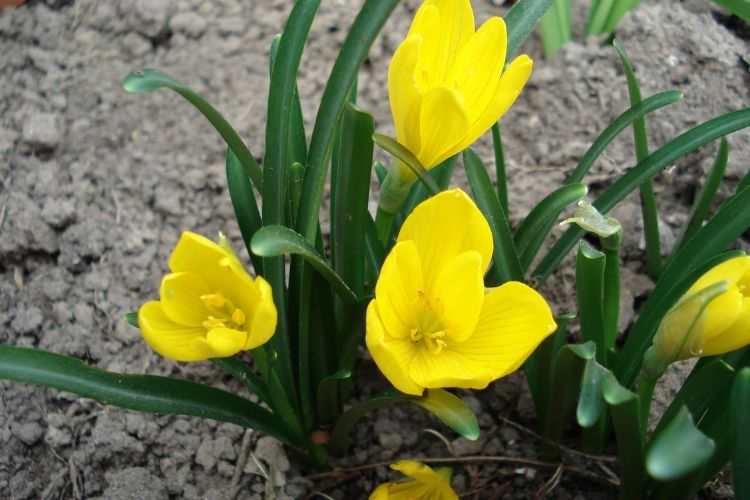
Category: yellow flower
<point>432,324</point>
<point>446,81</point>
<point>713,317</point>
<point>425,483</point>
<point>210,307</point>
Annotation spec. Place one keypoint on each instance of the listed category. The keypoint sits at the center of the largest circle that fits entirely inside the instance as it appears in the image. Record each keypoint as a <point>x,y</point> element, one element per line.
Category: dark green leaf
<point>146,393</point>
<point>149,80</point>
<point>505,257</point>
<point>521,20</point>
<point>244,203</point>
<point>590,296</point>
<point>132,319</point>
<point>679,449</point>
<point>280,240</point>
<point>741,414</point>
<point>328,389</point>
<point>500,171</point>
<point>239,369</point>
<point>591,402</point>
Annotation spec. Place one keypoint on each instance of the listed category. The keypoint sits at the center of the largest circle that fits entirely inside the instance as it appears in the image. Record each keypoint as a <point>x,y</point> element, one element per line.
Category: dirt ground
<point>97,184</point>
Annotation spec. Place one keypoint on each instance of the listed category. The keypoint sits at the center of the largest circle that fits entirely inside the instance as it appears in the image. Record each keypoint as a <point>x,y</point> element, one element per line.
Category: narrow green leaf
<point>598,14</point>
<point>357,44</point>
<point>239,369</point>
<point>708,192</point>
<point>532,231</point>
<point>244,203</point>
<point>452,411</point>
<point>295,182</point>
<point>590,264</point>
<point>679,449</point>
<point>272,241</point>
<point>149,80</point>
<point>521,20</point>
<point>555,27</point>
<point>705,385</point>
<point>406,157</point>
<point>666,155</point>
<point>350,188</point>
<point>741,414</point>
<point>328,389</point>
<point>505,257</point>
<point>640,138</point>
<point>741,9</point>
<point>500,170</point>
<point>381,172</point>
<point>375,252</point>
<point>618,10</point>
<point>146,393</point>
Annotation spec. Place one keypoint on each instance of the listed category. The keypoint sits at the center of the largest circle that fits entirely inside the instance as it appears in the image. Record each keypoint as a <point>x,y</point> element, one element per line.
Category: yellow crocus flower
<point>424,483</point>
<point>432,323</point>
<point>713,317</point>
<point>446,81</point>
<point>209,306</point>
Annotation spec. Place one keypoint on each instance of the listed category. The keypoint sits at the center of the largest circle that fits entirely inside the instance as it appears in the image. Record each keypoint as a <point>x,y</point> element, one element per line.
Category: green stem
<point>383,224</point>
<point>646,385</point>
<point>611,247</point>
<point>651,229</point>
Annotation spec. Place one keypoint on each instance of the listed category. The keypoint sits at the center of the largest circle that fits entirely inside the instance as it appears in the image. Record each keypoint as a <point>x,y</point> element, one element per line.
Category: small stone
<point>8,139</point>
<point>135,44</point>
<point>59,213</point>
<point>390,441</point>
<point>135,483</point>
<point>206,455</point>
<point>29,432</point>
<point>231,26</point>
<point>152,16</point>
<point>42,131</point>
<point>463,447</point>
<point>189,23</point>
<point>28,320</point>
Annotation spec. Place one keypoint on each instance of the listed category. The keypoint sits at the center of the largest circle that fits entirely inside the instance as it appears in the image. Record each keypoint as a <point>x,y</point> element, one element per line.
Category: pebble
<point>42,131</point>
<point>29,432</point>
<point>390,441</point>
<point>152,16</point>
<point>189,23</point>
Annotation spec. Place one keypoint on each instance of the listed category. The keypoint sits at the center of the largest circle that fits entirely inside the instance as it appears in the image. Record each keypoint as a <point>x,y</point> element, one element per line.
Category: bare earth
<point>96,185</point>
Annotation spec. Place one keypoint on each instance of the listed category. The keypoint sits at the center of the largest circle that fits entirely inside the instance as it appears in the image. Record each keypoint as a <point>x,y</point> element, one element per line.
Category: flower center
<point>429,330</point>
<point>224,314</point>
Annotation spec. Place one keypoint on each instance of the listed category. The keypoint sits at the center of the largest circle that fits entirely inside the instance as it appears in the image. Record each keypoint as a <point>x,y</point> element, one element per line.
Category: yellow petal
<point>392,355</point>
<point>455,29</point>
<point>732,270</point>
<point>732,338</point>
<point>449,368</point>
<point>515,319</point>
<point>225,342</point>
<point>721,313</point>
<point>404,96</point>
<point>505,94</point>
<point>180,296</point>
<point>479,65</point>
<point>459,294</point>
<point>193,252</point>
<point>264,317</point>
<point>443,227</point>
<point>169,339</point>
<point>426,481</point>
<point>381,492</point>
<point>443,122</point>
<point>397,290</point>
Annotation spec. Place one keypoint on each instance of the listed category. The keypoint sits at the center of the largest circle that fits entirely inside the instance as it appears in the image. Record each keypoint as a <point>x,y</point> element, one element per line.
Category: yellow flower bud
<point>423,482</point>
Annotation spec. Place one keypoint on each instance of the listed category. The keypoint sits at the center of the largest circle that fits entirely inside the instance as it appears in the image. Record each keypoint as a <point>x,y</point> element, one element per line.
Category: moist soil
<point>97,184</point>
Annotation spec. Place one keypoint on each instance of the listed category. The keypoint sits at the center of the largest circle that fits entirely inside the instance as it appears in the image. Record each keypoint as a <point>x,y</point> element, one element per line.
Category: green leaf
<point>640,138</point>
<point>328,389</point>
<point>146,393</point>
<point>132,319</point>
<point>340,436</point>
<point>679,449</point>
<point>666,155</point>
<point>500,170</point>
<point>402,154</point>
<point>555,27</point>
<point>741,9</point>
<point>295,182</point>
<point>149,80</point>
<point>619,9</point>
<point>591,402</point>
<point>505,257</point>
<point>244,203</point>
<point>741,414</point>
<point>271,241</point>
<point>590,264</point>
<point>533,230</point>
<point>452,411</point>
<point>357,44</point>
<point>705,385</point>
<point>708,192</point>
<point>521,20</point>
<point>381,172</point>
<point>239,369</point>
<point>350,188</point>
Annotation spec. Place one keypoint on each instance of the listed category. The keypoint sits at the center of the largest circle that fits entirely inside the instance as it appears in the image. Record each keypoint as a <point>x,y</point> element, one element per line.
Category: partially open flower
<point>424,483</point>
<point>209,306</point>
<point>446,82</point>
<point>432,323</point>
<point>713,317</point>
